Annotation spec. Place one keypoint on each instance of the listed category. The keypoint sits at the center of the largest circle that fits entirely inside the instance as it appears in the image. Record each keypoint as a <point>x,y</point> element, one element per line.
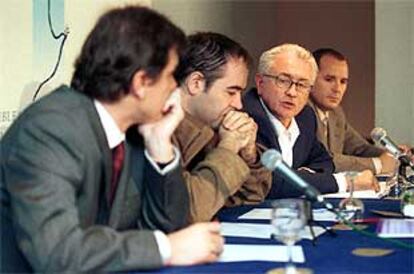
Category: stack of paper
<point>396,228</point>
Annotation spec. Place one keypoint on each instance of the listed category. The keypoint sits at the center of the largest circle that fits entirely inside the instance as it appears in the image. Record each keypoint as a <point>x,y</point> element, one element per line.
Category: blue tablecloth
<point>329,255</point>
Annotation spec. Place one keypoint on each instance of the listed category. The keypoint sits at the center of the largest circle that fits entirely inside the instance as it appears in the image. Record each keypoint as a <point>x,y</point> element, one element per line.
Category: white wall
<point>394,83</point>
<point>394,50</point>
<point>21,67</point>
<point>15,56</point>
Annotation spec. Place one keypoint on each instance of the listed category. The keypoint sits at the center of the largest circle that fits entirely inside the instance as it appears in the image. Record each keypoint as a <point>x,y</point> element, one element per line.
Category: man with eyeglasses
<point>349,149</point>
<point>284,79</point>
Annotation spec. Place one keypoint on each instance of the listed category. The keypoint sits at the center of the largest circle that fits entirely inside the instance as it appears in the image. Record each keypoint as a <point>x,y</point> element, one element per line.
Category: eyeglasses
<point>285,83</point>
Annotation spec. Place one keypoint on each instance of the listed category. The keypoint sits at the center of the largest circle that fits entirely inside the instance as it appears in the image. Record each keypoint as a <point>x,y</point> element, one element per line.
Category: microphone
<point>379,135</point>
<point>272,160</point>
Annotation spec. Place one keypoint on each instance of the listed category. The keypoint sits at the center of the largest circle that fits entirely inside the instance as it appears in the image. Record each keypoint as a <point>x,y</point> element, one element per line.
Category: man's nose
<point>291,91</point>
<point>337,86</point>
<point>237,102</point>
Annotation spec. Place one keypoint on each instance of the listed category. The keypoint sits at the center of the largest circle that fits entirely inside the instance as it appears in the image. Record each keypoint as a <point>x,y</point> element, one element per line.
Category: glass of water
<point>352,205</point>
<point>288,221</point>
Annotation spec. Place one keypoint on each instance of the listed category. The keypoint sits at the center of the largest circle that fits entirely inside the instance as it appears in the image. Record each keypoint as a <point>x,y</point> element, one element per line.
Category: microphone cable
<point>63,34</point>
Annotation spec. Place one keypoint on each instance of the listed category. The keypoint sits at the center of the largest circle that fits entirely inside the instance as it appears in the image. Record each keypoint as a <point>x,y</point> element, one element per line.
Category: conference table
<point>329,254</point>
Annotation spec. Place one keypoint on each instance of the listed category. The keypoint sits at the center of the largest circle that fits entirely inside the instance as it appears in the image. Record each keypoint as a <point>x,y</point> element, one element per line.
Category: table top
<point>330,254</point>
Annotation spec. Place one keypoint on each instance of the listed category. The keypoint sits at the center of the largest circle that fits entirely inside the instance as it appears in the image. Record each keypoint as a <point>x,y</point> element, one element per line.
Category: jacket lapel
<point>127,196</point>
<point>106,162</point>
<point>266,134</point>
<point>334,132</point>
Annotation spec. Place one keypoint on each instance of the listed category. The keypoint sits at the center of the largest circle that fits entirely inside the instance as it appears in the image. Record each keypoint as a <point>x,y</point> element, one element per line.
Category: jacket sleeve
<point>166,203</point>
<point>255,189</point>
<point>321,162</point>
<point>219,175</point>
<point>43,171</point>
<point>357,153</point>
<point>319,159</point>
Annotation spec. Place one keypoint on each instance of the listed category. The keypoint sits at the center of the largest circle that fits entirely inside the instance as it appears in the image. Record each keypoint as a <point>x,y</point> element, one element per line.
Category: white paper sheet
<point>273,253</point>
<point>396,228</point>
<point>265,214</point>
<point>257,214</point>
<point>363,194</point>
<point>262,231</point>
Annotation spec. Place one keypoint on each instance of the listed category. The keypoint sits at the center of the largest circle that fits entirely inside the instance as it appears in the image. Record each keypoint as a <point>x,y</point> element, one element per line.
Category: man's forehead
<point>236,71</point>
<point>329,61</point>
<point>293,67</point>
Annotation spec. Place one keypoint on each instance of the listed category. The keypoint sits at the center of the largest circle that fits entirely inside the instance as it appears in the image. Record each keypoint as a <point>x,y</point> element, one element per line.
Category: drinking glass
<point>351,204</point>
<point>288,221</point>
<point>407,203</point>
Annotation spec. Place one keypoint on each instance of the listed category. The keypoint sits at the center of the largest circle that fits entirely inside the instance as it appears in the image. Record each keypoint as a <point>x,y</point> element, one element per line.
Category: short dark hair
<point>208,52</point>
<point>321,52</point>
<point>123,41</point>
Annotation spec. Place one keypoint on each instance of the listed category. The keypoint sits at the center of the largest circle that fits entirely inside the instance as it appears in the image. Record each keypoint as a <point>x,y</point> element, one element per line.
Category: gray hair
<point>267,57</point>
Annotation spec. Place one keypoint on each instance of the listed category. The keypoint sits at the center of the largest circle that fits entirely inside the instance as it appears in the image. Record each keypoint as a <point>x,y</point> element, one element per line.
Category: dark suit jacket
<point>307,151</point>
<point>55,175</point>
<point>349,149</point>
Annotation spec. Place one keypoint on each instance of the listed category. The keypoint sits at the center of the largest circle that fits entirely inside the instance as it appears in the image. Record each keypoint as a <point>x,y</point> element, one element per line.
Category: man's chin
<point>217,123</point>
<point>332,107</point>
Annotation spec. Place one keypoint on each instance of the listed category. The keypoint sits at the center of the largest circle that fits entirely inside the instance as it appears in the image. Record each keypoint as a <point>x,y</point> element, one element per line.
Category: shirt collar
<point>292,130</point>
<point>323,115</point>
<point>114,135</point>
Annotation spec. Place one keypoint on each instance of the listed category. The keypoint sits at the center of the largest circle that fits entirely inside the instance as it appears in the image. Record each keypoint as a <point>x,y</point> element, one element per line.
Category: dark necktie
<point>118,155</point>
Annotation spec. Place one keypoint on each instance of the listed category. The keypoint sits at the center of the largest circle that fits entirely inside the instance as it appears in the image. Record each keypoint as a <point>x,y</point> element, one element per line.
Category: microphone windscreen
<point>270,159</point>
<point>378,133</point>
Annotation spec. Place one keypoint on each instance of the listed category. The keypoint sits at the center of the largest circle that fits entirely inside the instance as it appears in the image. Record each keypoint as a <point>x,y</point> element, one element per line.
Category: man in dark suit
<point>65,207</point>
<point>284,79</point>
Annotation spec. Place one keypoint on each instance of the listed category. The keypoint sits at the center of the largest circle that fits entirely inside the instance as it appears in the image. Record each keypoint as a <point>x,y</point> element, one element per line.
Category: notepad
<point>396,228</point>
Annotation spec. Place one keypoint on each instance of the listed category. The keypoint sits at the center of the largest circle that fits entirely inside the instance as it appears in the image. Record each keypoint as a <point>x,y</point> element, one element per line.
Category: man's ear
<point>195,83</point>
<point>139,82</point>
<point>258,78</point>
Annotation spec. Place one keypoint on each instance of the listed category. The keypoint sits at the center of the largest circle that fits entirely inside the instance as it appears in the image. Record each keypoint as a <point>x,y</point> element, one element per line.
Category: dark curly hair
<point>208,52</point>
<point>122,42</point>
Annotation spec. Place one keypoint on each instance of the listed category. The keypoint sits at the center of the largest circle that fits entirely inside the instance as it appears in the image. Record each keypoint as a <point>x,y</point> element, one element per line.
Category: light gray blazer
<point>350,151</point>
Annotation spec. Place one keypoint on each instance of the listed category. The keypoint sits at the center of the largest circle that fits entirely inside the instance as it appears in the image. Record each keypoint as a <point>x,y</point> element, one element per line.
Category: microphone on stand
<point>379,135</point>
<point>272,160</point>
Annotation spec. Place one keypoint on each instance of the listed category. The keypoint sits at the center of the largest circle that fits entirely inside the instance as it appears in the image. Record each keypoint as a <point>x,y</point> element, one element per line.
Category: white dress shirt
<point>287,138</point>
<point>114,137</point>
